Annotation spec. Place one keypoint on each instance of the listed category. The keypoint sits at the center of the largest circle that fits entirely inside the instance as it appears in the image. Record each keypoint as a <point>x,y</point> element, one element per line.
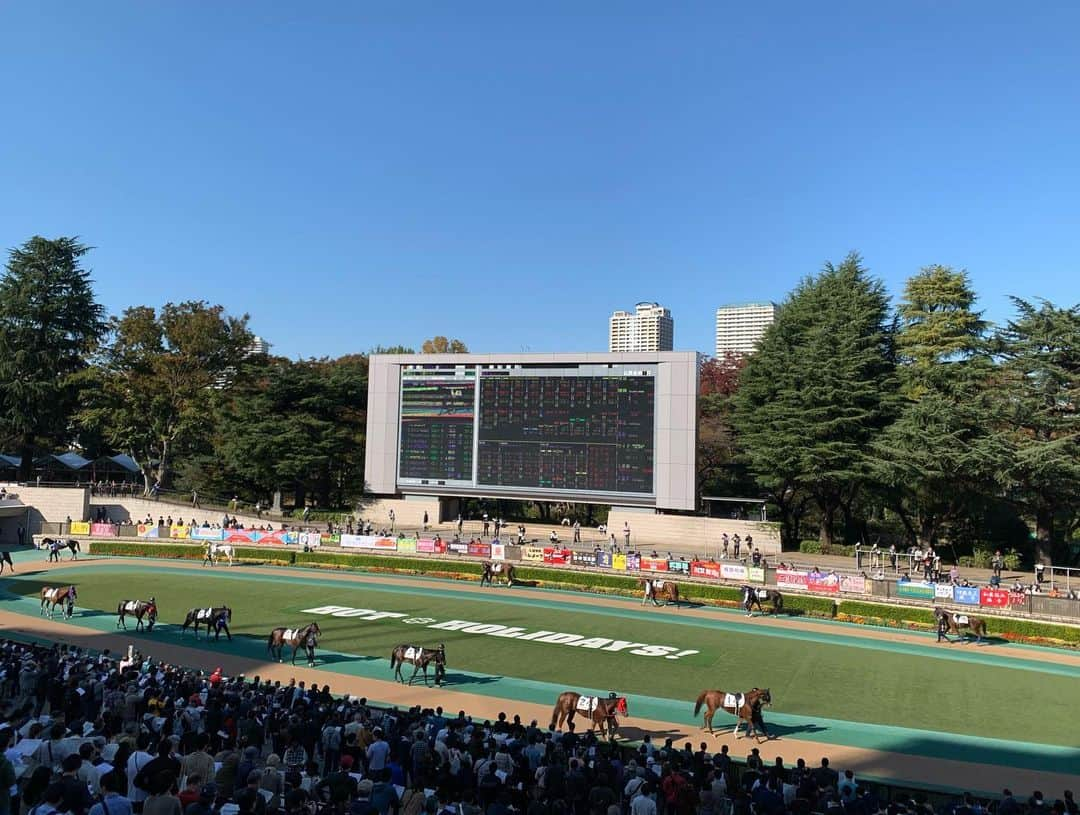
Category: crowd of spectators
<point>95,735</point>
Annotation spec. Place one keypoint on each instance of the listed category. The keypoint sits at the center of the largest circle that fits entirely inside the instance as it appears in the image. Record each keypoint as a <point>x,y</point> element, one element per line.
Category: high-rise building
<point>258,346</point>
<point>739,326</point>
<point>648,328</point>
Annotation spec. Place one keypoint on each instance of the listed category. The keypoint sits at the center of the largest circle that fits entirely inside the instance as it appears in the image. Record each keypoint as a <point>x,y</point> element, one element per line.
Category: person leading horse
<point>745,707</point>
<point>602,713</point>
<point>954,623</point>
<point>306,638</point>
<point>491,570</point>
<point>138,609</point>
<point>752,597</point>
<point>215,619</point>
<point>52,597</point>
<point>663,588</point>
<point>419,658</point>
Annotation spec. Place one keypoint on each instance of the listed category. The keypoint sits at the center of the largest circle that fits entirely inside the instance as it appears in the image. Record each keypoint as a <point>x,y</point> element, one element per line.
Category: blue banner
<point>206,534</point>
<point>968,595</point>
<point>603,559</point>
<point>679,566</point>
<point>633,562</point>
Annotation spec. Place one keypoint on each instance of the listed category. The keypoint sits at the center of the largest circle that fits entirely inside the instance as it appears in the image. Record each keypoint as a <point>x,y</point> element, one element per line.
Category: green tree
<point>932,461</point>
<point>441,345</point>
<point>49,324</point>
<point>818,389</point>
<point>1037,402</point>
<point>159,377</point>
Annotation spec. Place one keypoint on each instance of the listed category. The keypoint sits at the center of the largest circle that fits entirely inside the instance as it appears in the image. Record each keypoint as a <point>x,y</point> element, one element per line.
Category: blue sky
<point>354,174</point>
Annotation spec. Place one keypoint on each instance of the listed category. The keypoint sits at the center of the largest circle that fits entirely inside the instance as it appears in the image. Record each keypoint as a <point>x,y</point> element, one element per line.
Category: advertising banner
<point>654,564</point>
<point>998,598</point>
<point>310,539</point>
<point>618,562</point>
<point>733,571</point>
<point>923,591</point>
<point>206,534</point>
<point>479,549</point>
<point>79,528</point>
<point>756,574</point>
<point>147,530</point>
<point>705,568</point>
<point>679,566</point>
<point>827,583</point>
<point>241,536</point>
<point>104,530</point>
<point>1018,599</point>
<point>943,591</point>
<point>425,546</point>
<point>326,538</point>
<point>406,545</point>
<point>968,595</point>
<point>790,579</point>
<point>633,562</point>
<point>368,542</point>
<point>855,583</point>
<point>579,558</point>
<point>178,532</point>
<point>604,559</point>
<point>557,557</point>
<point>533,554</point>
<point>498,551</point>
<point>457,547</point>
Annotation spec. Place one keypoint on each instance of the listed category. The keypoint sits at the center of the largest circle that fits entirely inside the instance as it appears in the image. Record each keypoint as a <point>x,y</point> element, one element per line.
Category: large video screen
<point>515,429</point>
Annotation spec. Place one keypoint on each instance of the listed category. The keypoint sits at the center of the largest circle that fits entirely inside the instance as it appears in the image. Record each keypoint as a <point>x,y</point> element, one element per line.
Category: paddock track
<point>857,739</point>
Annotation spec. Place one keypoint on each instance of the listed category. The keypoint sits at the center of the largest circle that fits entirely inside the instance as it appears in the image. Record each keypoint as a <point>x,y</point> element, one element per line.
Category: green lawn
<point>817,679</point>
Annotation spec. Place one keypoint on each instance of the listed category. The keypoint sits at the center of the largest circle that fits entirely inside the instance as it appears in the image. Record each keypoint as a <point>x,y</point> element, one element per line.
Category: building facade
<point>739,326</point>
<point>648,328</point>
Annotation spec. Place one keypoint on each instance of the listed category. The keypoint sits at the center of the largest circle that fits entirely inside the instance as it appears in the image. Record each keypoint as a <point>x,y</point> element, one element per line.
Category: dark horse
<point>307,638</point>
<point>215,619</point>
<point>745,707</point>
<point>420,658</point>
<point>5,557</point>
<point>956,622</point>
<point>492,569</point>
<point>753,597</point>
<point>55,596</point>
<point>662,588</point>
<point>138,609</point>
<point>601,712</point>
<point>54,545</point>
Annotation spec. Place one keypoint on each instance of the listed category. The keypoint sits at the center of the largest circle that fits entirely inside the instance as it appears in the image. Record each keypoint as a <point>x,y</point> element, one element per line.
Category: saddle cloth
<point>204,614</point>
<point>658,584</point>
<point>131,605</point>
<point>762,594</point>
<point>961,619</point>
<point>289,634</point>
<point>586,704</point>
<point>413,653</point>
<point>734,700</point>
<point>496,568</point>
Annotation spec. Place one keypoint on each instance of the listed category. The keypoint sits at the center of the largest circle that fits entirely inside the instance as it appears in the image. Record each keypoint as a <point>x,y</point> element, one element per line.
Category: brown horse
<point>656,587</point>
<point>745,707</point>
<point>956,622</point>
<point>419,658</point>
<point>306,638</point>
<point>601,712</point>
<point>492,569</point>
<point>138,609</point>
<point>753,597</point>
<point>52,597</point>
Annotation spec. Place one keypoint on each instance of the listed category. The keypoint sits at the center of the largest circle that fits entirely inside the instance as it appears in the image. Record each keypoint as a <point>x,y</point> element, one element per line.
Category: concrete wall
<point>408,512</point>
<point>654,530</point>
<point>136,510</point>
<point>52,504</point>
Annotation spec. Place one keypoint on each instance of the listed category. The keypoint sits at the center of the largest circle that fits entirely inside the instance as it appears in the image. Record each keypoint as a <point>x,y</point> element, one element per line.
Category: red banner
<point>558,557</point>
<point>480,549</point>
<point>654,564</point>
<point>829,583</point>
<point>705,568</point>
<point>788,579</point>
<point>1017,598</point>
<point>998,598</point>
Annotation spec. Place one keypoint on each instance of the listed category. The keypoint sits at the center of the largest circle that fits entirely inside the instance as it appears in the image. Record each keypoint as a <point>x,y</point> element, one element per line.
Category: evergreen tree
<point>816,392</point>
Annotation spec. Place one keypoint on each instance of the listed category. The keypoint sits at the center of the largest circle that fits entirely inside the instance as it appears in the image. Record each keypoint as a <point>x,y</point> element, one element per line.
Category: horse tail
<point>700,702</point>
<point>270,642</point>
<point>779,601</point>
<point>393,659</point>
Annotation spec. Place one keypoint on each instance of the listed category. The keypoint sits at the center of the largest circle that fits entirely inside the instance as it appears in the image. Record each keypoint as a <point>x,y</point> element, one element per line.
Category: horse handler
<point>943,629</point>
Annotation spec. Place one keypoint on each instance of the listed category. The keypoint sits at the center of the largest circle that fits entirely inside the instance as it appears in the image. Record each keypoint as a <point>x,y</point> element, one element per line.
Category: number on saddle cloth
<point>733,700</point>
<point>413,653</point>
<point>131,605</point>
<point>496,568</point>
<point>204,614</point>
<point>961,619</point>
<point>762,594</point>
<point>586,704</point>
<point>658,584</point>
<point>289,634</point>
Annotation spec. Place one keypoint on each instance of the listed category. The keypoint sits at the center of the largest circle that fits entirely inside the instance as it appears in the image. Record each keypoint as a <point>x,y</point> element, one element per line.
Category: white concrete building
<point>739,326</point>
<point>648,328</point>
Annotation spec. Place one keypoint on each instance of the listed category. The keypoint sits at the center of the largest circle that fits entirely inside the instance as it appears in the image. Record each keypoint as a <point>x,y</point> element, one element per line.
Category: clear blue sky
<point>354,174</point>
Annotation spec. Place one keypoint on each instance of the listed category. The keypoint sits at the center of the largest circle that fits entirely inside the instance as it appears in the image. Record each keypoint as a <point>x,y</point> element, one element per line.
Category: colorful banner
<point>204,533</point>
<point>579,558</point>
<point>790,579</point>
<point>104,530</point>
<point>178,532</point>
<point>557,557</point>
<point>147,530</point>
<point>967,595</point>
<point>733,571</point>
<point>1018,599</point>
<point>498,551</point>
<point>479,549</point>
<point>406,545</point>
<point>604,559</point>
<point>311,540</point>
<point>79,528</point>
<point>705,568</point>
<point>943,591</point>
<point>533,554</point>
<point>923,591</point>
<point>618,562</point>
<point>457,547</point>
<point>756,574</point>
<point>368,542</point>
<point>854,583</point>
<point>654,564</point>
<point>426,546</point>
<point>633,562</point>
<point>828,583</point>
<point>679,566</point>
<point>998,598</point>
<point>326,538</point>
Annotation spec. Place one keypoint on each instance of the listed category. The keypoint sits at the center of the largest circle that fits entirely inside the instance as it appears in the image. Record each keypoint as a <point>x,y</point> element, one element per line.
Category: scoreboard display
<point>520,429</point>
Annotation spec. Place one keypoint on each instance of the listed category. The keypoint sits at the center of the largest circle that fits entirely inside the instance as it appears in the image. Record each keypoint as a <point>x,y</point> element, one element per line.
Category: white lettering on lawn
<point>641,649</point>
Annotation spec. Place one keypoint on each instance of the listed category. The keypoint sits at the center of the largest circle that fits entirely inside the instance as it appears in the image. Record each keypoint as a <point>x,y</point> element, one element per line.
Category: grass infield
<point>917,687</point>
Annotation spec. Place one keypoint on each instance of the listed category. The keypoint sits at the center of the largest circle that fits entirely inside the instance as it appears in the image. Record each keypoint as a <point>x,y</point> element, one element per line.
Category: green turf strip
<point>822,689</point>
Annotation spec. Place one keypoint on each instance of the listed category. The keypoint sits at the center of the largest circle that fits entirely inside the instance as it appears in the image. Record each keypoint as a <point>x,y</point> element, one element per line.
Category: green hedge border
<point>856,611</point>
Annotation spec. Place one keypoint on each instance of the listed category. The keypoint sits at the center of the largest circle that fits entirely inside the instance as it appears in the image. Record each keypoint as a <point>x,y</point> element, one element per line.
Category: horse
<point>307,637</point>
<point>975,625</point>
<point>601,712</point>
<point>138,609</point>
<point>217,550</point>
<point>5,557</point>
<point>420,659</point>
<point>492,569</point>
<point>54,545</point>
<point>655,587</point>
<point>745,707</point>
<point>214,618</point>
<point>752,597</point>
<point>52,597</point>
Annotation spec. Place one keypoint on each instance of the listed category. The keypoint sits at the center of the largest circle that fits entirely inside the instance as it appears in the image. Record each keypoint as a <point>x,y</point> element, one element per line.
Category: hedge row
<point>858,611</point>
<point>814,547</point>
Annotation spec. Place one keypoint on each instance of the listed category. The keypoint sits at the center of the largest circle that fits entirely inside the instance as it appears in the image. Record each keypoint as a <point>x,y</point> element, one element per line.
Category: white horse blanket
<point>586,704</point>
<point>734,700</point>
